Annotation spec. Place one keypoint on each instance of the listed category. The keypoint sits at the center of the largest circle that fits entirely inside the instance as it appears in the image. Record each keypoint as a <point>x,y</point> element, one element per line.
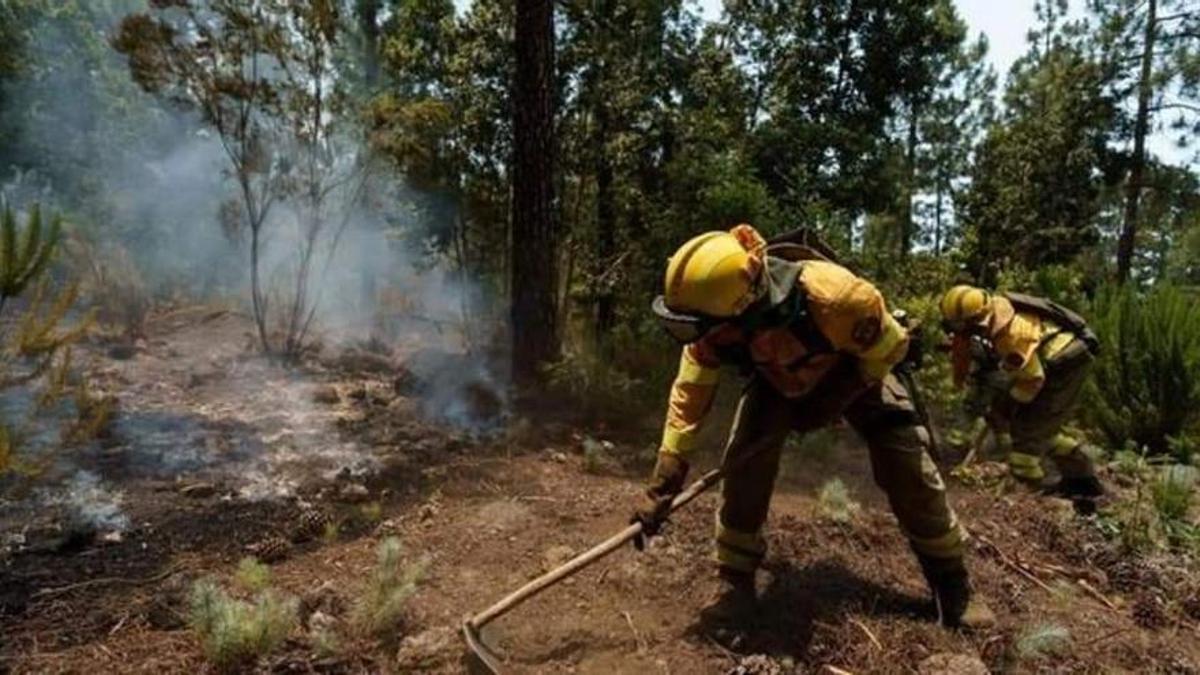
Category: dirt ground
<point>218,453</point>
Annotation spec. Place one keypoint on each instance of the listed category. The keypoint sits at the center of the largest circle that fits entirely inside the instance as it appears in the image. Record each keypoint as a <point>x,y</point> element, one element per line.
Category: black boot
<point>1087,487</point>
<point>951,588</point>
<point>731,608</point>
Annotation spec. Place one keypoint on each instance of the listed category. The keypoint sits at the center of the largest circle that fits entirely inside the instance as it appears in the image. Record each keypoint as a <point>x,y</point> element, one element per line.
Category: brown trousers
<point>1036,427</point>
<point>885,418</point>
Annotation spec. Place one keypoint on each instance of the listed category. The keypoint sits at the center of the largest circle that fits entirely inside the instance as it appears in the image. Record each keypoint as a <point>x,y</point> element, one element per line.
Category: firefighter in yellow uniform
<point>1042,354</point>
<point>817,344</point>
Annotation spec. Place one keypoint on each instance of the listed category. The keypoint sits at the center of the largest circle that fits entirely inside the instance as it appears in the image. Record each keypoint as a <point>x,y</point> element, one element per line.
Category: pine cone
<point>310,525</point>
<point>1148,612</point>
<point>271,549</point>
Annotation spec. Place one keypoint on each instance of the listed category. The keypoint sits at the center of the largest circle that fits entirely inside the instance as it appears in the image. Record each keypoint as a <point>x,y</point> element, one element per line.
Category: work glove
<point>914,357</point>
<point>654,505</point>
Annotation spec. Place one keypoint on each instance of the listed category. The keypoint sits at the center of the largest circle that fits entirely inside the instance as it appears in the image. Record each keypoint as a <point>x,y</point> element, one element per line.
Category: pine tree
<point>1151,49</point>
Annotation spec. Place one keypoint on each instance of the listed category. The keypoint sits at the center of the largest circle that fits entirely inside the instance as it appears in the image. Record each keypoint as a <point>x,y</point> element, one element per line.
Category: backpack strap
<point>1067,320</point>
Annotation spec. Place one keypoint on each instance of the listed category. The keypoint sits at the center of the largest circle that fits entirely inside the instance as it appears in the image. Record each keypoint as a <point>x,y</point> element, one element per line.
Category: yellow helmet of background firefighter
<point>717,274</point>
<point>966,305</point>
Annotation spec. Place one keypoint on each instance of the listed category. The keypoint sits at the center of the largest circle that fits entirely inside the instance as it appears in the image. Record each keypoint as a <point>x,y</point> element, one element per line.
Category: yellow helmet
<point>717,274</point>
<point>965,305</point>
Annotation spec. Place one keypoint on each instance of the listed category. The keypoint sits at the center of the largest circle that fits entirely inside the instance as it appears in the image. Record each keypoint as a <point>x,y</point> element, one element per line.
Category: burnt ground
<point>216,452</point>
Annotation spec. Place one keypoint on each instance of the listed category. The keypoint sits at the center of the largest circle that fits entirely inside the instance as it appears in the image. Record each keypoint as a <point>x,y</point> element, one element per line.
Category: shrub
<point>1146,389</point>
<point>380,607</point>
<point>234,632</point>
<point>35,353</point>
<point>111,282</point>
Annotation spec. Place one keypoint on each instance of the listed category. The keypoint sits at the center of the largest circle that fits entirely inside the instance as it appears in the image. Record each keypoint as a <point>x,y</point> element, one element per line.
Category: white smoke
<point>89,503</point>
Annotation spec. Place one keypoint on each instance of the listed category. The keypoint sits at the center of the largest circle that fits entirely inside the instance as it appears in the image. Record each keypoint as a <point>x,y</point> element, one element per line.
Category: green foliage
<point>835,503</point>
<point>1064,284</point>
<point>1173,490</point>
<point>1157,515</point>
<point>595,455</point>
<point>1146,388</point>
<point>380,606</point>
<point>326,642</point>
<point>252,575</point>
<point>1036,182</point>
<point>331,532</point>
<point>235,633</point>
<point>25,251</point>
<point>624,376</point>
<point>371,513</point>
<point>35,351</point>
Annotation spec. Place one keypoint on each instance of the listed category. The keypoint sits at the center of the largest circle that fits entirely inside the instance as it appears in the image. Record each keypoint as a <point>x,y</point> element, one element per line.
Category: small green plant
<point>25,251</point>
<point>380,607</point>
<point>1043,639</point>
<point>331,532</point>
<point>252,575</point>
<point>1128,463</point>
<point>233,632</point>
<point>835,503</point>
<point>595,455</point>
<point>371,512</point>
<point>326,642</point>
<point>1172,491</point>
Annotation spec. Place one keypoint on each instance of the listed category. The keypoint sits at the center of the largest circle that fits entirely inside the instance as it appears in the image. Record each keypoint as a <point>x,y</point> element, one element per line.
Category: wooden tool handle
<point>588,557</point>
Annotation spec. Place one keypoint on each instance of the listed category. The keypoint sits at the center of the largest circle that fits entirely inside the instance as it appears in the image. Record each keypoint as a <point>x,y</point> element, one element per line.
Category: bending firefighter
<point>817,343</point>
<point>1026,359</point>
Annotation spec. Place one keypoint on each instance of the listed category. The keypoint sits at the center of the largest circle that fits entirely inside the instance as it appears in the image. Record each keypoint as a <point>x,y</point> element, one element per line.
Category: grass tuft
<point>326,642</point>
<point>1172,491</point>
<point>371,513</point>
<point>835,503</point>
<point>252,575</point>
<point>1044,639</point>
<point>234,633</point>
<point>379,610</point>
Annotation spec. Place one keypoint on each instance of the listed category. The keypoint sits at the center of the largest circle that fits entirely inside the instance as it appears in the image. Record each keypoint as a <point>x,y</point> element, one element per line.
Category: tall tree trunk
<point>606,236</point>
<point>368,23</point>
<point>606,225</point>
<point>937,215</point>
<point>534,240</point>
<point>1137,170</point>
<point>907,222</point>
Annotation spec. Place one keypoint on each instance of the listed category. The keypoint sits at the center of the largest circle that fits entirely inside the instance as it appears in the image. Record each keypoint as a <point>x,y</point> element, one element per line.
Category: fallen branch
<point>637,637</point>
<point>871,636</point>
<point>47,592</point>
<point>1015,566</point>
<point>1091,590</point>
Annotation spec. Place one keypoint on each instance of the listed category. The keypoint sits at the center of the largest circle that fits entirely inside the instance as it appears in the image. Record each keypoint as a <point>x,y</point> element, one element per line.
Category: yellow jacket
<point>1017,338</point>
<point>850,319</point>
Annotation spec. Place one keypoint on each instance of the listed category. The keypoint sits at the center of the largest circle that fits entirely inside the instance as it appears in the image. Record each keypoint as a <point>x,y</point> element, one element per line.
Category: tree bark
<point>1137,170</point>
<point>907,222</point>
<point>937,215</point>
<point>534,240</point>
<point>606,239</point>
<point>368,23</point>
